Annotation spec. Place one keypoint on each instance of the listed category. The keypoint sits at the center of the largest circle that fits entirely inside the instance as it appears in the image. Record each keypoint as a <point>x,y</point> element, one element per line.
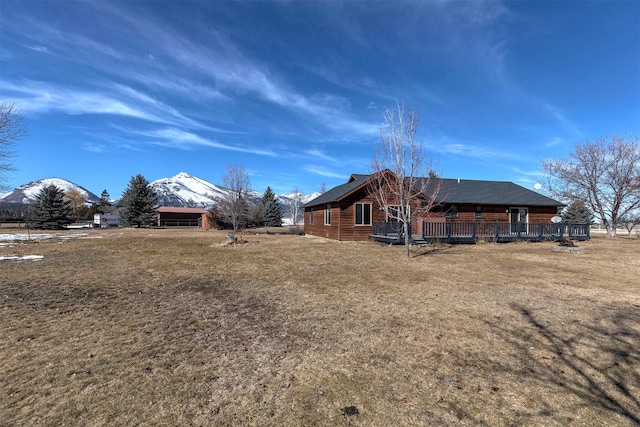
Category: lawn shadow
<point>596,361</point>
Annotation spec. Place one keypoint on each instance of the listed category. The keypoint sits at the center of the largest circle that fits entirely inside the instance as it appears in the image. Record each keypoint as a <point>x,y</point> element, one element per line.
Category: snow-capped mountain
<point>27,193</point>
<point>181,190</point>
<point>304,198</point>
<point>190,191</point>
<point>187,191</point>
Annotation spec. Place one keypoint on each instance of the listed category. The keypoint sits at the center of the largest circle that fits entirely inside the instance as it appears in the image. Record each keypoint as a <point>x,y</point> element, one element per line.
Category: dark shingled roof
<point>336,193</point>
<point>491,193</point>
<point>463,191</point>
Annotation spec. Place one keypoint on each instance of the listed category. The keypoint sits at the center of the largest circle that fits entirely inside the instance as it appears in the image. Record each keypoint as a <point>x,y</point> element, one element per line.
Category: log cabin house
<point>465,211</point>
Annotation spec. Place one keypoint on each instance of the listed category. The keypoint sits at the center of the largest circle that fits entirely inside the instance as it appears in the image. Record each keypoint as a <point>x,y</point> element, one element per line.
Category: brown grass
<point>171,327</point>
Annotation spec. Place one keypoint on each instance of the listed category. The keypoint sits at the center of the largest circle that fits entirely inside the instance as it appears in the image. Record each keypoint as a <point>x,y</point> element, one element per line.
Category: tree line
<point>600,178</point>
<point>138,207</point>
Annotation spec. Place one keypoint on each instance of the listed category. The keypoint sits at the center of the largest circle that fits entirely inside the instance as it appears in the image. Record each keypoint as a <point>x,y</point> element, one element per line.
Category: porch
<point>471,232</point>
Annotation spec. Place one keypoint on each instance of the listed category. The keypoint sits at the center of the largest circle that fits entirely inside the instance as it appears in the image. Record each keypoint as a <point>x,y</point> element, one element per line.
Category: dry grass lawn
<point>171,327</point>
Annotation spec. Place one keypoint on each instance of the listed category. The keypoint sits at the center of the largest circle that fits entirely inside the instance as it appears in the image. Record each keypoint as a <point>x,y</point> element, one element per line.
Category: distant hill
<point>181,190</point>
<point>27,193</point>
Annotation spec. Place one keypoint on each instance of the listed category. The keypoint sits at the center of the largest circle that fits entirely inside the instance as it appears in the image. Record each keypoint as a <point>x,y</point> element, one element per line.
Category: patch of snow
<point>24,236</point>
<point>21,258</point>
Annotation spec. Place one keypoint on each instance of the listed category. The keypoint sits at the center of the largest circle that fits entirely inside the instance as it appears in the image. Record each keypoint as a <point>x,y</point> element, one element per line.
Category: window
<point>311,216</point>
<point>478,211</point>
<point>327,214</point>
<point>452,212</point>
<point>363,213</point>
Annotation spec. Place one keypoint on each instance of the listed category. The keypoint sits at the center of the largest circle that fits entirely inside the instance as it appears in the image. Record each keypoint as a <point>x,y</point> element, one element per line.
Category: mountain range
<point>181,190</point>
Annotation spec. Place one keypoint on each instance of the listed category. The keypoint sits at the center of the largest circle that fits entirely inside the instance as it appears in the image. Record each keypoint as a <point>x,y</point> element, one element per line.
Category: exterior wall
<point>493,213</point>
<point>343,226</point>
<point>318,228</point>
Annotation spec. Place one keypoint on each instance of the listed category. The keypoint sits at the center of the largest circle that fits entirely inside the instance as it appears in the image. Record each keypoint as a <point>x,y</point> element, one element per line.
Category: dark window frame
<point>362,218</point>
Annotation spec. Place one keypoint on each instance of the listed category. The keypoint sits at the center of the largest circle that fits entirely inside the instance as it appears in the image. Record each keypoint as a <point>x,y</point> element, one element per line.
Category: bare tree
<point>630,221</point>
<point>605,174</point>
<point>77,202</point>
<point>403,177</point>
<point>12,129</point>
<point>234,204</point>
<point>294,206</point>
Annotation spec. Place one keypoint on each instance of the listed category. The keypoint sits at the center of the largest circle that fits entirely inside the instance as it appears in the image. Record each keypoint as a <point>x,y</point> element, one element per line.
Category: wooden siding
<point>343,226</point>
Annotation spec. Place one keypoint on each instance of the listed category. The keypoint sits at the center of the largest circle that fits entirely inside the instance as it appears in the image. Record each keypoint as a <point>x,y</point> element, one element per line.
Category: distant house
<point>466,210</point>
<point>169,216</point>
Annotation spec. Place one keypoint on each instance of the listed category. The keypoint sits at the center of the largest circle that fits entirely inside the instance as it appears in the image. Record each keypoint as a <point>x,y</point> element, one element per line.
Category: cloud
<point>323,172</point>
<point>94,147</point>
<point>556,140</point>
<point>180,139</point>
<point>320,155</point>
<point>469,150</point>
<point>41,97</point>
<point>42,49</point>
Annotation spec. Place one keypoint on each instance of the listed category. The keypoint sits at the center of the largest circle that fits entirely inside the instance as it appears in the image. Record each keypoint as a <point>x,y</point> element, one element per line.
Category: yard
<point>173,327</point>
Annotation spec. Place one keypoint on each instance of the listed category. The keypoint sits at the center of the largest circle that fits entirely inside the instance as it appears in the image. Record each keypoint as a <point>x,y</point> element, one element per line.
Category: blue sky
<point>295,91</point>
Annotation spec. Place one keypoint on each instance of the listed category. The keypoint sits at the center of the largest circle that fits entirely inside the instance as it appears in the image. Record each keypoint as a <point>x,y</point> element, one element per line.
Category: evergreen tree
<point>50,210</point>
<point>271,210</point>
<point>577,213</point>
<point>139,203</point>
<point>104,199</point>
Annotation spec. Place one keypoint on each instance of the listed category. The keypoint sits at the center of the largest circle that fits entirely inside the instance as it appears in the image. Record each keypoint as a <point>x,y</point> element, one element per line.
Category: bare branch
<point>12,129</point>
<point>605,174</point>
<point>403,177</point>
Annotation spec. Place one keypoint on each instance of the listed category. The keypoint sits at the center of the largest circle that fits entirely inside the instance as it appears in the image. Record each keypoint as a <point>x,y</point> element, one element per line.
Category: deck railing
<point>389,229</point>
<point>495,231</point>
<point>504,230</point>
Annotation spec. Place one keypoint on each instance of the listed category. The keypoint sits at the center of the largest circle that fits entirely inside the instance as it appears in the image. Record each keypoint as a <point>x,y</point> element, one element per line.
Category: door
<point>518,220</point>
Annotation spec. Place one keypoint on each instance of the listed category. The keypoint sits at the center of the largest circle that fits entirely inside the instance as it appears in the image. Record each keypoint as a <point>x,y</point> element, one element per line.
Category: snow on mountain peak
<point>27,193</point>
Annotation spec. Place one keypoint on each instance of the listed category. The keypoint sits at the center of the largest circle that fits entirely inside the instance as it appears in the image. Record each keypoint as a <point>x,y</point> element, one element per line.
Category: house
<point>169,216</point>
<point>465,210</point>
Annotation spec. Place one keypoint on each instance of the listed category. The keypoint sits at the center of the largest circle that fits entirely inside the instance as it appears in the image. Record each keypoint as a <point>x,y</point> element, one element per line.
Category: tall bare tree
<point>294,206</point>
<point>234,204</point>
<point>604,173</point>
<point>77,202</point>
<point>12,129</point>
<point>403,170</point>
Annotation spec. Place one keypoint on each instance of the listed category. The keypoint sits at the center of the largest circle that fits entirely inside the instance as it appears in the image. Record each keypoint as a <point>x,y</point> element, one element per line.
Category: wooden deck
<point>472,232</point>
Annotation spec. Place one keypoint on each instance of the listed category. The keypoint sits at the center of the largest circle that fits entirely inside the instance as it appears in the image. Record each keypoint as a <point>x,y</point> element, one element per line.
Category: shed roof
<point>172,209</point>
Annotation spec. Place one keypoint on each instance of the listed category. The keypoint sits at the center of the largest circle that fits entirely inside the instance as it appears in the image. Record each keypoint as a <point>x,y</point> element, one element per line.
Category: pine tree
<point>50,210</point>
<point>104,199</point>
<point>577,213</point>
<point>271,210</point>
<point>139,203</point>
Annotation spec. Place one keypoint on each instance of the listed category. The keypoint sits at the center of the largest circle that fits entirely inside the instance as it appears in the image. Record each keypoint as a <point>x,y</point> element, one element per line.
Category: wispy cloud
<point>94,147</point>
<point>556,140</point>
<point>324,172</point>
<point>474,151</point>
<point>180,139</point>
<point>320,155</point>
<point>39,48</point>
<point>41,97</point>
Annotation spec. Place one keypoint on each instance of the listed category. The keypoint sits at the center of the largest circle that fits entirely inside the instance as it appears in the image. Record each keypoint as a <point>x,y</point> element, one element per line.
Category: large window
<point>311,216</point>
<point>327,214</point>
<point>363,213</point>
